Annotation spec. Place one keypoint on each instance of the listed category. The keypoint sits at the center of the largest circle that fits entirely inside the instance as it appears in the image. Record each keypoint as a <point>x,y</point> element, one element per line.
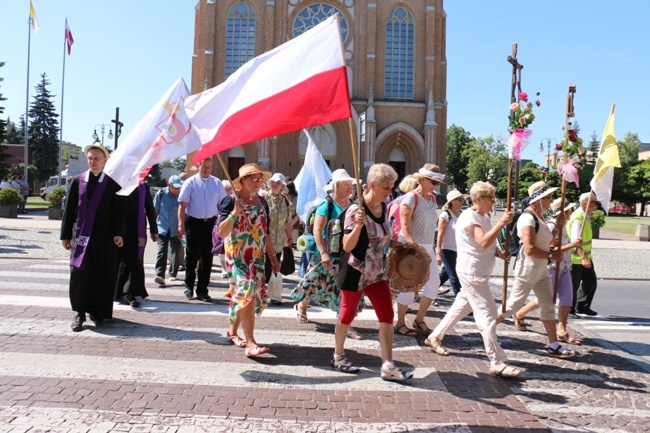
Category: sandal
<point>236,339</point>
<point>503,370</point>
<point>394,374</point>
<point>405,330</point>
<point>520,324</point>
<point>566,338</point>
<point>354,334</point>
<point>302,317</point>
<point>342,364</point>
<point>437,346</point>
<point>256,350</point>
<point>422,327</point>
<point>560,352</point>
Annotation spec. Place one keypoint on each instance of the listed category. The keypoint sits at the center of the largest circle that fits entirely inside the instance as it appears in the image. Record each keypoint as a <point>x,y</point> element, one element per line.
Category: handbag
<point>288,265</point>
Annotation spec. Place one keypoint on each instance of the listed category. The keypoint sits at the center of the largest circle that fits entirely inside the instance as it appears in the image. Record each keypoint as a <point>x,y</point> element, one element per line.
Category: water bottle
<point>335,240</point>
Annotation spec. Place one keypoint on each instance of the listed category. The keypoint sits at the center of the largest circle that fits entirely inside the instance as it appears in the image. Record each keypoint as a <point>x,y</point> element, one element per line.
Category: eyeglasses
<point>489,197</point>
<point>256,179</point>
<point>460,199</point>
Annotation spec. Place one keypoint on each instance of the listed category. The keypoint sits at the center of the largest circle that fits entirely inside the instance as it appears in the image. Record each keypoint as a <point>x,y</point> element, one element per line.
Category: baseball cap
<point>176,181</point>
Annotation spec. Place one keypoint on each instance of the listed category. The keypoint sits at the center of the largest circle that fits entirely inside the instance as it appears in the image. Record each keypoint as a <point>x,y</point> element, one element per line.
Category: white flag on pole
<point>310,182</point>
<point>163,134</point>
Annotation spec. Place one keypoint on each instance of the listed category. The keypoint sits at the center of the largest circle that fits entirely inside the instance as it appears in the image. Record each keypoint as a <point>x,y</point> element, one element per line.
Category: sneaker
<point>159,280</point>
<point>205,297</point>
<point>188,293</point>
<point>444,290</point>
<point>172,277</point>
<point>561,352</point>
<point>394,374</point>
<point>586,312</point>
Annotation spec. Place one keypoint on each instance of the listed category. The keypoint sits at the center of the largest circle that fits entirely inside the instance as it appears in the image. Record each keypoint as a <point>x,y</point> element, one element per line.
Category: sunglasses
<point>489,197</point>
<point>256,179</point>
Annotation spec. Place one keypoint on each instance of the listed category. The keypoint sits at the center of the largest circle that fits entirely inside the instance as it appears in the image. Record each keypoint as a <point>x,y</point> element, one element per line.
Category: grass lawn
<point>36,203</point>
<point>624,223</point>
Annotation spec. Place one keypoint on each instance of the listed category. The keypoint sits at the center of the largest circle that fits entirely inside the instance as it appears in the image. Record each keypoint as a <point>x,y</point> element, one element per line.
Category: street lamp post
<point>102,129</point>
<point>548,154</point>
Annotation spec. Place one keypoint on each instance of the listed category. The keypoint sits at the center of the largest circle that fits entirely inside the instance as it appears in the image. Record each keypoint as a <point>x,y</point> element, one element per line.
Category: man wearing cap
<point>582,269</point>
<point>93,228</point>
<point>280,226</point>
<point>197,212</point>
<point>165,204</point>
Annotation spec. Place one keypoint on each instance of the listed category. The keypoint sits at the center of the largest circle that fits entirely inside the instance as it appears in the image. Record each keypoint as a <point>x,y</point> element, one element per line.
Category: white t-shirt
<point>449,240</point>
<point>530,266</point>
<point>425,217</point>
<point>472,258</point>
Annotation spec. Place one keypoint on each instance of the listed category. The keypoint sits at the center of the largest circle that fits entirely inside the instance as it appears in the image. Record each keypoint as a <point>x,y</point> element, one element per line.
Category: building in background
<point>397,72</point>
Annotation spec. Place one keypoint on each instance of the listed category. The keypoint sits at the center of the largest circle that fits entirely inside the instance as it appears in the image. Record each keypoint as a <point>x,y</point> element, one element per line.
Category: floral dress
<point>318,285</point>
<point>245,250</point>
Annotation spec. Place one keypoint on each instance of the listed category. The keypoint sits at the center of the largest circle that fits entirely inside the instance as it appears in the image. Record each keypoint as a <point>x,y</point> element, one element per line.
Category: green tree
<point>19,170</point>
<point>458,140</point>
<point>178,164</point>
<point>638,180</point>
<point>487,161</point>
<point>44,131</point>
<point>15,134</point>
<point>3,132</point>
<point>628,149</point>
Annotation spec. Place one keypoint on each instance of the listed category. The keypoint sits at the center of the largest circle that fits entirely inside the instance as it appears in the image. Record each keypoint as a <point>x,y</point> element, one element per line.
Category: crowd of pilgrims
<point>248,224</point>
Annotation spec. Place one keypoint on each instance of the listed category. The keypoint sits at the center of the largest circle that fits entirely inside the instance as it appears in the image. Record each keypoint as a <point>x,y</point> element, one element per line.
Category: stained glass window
<point>316,13</point>
<point>240,36</point>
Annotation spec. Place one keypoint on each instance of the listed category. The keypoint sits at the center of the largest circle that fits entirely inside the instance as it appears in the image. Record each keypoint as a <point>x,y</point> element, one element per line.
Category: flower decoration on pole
<point>521,117</point>
<point>573,149</point>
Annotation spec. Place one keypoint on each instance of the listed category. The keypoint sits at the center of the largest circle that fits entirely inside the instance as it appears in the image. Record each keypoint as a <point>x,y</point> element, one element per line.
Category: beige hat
<point>453,195</point>
<point>247,170</point>
<point>431,175</point>
<point>539,190</point>
<point>96,146</point>
<point>555,206</point>
<point>587,197</point>
<point>407,267</point>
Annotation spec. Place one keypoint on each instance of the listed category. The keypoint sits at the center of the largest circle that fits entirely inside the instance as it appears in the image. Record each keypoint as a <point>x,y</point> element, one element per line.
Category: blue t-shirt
<point>322,211</point>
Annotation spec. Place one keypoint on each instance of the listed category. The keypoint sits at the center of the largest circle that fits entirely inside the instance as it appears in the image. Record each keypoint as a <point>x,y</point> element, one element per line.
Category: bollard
<point>642,232</point>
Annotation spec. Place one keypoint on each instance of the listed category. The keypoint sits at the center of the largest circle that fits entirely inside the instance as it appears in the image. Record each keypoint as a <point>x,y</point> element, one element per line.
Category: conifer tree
<point>44,131</point>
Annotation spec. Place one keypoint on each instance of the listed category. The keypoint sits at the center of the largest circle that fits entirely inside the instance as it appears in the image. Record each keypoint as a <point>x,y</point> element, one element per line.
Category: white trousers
<point>475,297</point>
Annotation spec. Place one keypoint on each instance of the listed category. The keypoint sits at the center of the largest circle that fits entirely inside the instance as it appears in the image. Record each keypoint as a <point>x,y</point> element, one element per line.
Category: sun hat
<point>338,175</point>
<point>176,181</point>
<point>278,177</point>
<point>432,175</point>
<point>247,170</point>
<point>453,195</point>
<point>587,197</point>
<point>96,146</point>
<point>555,206</point>
<point>407,267</point>
<point>539,190</point>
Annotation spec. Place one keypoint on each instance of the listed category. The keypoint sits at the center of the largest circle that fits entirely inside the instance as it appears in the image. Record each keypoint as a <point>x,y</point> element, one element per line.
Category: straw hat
<point>539,190</point>
<point>555,206</point>
<point>247,170</point>
<point>453,195</point>
<point>96,146</point>
<point>407,267</point>
<point>432,175</point>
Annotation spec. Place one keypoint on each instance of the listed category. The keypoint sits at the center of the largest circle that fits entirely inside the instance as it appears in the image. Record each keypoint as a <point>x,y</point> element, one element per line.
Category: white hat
<point>555,206</point>
<point>451,196</point>
<point>587,197</point>
<point>96,146</point>
<point>432,175</point>
<point>338,175</point>
<point>539,190</point>
<point>278,177</point>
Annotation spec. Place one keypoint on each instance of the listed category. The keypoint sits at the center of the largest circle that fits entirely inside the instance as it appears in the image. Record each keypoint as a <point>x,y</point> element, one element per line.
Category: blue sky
<point>127,54</point>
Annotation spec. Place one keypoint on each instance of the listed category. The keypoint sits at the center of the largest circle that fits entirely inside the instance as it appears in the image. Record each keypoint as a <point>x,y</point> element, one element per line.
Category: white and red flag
<point>163,134</point>
<point>300,84</point>
<point>69,40</point>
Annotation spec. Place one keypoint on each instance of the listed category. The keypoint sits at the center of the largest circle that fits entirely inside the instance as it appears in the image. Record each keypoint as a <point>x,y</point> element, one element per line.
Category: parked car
<point>620,208</point>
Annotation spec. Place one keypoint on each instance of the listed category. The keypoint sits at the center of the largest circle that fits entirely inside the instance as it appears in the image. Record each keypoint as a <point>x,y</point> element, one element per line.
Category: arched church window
<point>316,13</point>
<point>400,45</point>
<point>240,36</point>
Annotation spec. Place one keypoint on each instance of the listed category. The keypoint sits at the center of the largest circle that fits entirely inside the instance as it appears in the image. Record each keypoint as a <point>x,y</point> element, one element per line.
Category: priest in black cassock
<point>93,229</point>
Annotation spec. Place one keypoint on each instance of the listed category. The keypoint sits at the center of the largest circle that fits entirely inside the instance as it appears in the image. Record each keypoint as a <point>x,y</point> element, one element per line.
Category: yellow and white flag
<point>608,158</point>
<point>33,21</point>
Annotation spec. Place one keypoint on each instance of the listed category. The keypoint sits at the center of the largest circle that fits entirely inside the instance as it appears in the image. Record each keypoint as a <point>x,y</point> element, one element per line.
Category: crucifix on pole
<point>516,86</point>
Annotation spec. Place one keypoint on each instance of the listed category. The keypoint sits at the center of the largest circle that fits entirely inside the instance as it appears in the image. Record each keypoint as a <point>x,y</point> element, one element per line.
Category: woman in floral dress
<point>244,226</point>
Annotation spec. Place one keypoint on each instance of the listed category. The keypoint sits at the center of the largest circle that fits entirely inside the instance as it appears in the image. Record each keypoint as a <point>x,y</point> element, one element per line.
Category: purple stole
<point>86,217</point>
<point>142,216</point>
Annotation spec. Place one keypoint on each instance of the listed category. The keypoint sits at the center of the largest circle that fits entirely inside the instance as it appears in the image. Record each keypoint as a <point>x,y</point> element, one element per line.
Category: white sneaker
<point>159,280</point>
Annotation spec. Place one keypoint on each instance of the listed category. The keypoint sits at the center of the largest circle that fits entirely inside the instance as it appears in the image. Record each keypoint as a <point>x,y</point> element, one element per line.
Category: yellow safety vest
<point>587,236</point>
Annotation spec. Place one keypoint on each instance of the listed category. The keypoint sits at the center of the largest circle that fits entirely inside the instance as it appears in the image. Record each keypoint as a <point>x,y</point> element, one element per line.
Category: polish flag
<point>300,84</point>
<point>165,133</point>
<point>69,40</point>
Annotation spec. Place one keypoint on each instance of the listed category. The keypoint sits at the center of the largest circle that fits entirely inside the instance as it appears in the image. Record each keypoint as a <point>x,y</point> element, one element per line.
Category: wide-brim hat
<point>538,191</point>
<point>431,175</point>
<point>247,170</point>
<point>453,195</point>
<point>555,206</point>
<point>96,146</point>
<point>338,175</point>
<point>407,267</point>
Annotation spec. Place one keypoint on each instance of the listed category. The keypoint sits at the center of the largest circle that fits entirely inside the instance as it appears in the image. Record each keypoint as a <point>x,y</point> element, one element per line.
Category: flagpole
<point>58,177</point>
<point>29,44</point>
<point>225,170</point>
<point>355,161</point>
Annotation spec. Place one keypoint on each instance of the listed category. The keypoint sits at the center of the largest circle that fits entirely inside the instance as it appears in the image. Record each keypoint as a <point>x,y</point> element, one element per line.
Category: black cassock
<point>130,277</point>
<point>92,288</point>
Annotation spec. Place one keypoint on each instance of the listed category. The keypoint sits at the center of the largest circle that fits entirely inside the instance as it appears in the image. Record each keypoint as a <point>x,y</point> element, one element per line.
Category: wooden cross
<point>516,73</point>
<point>569,103</point>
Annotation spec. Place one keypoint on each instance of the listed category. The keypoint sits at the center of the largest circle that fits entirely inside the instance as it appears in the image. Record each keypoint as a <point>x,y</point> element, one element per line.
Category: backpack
<point>396,222</point>
<point>515,241</point>
<point>311,215</point>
